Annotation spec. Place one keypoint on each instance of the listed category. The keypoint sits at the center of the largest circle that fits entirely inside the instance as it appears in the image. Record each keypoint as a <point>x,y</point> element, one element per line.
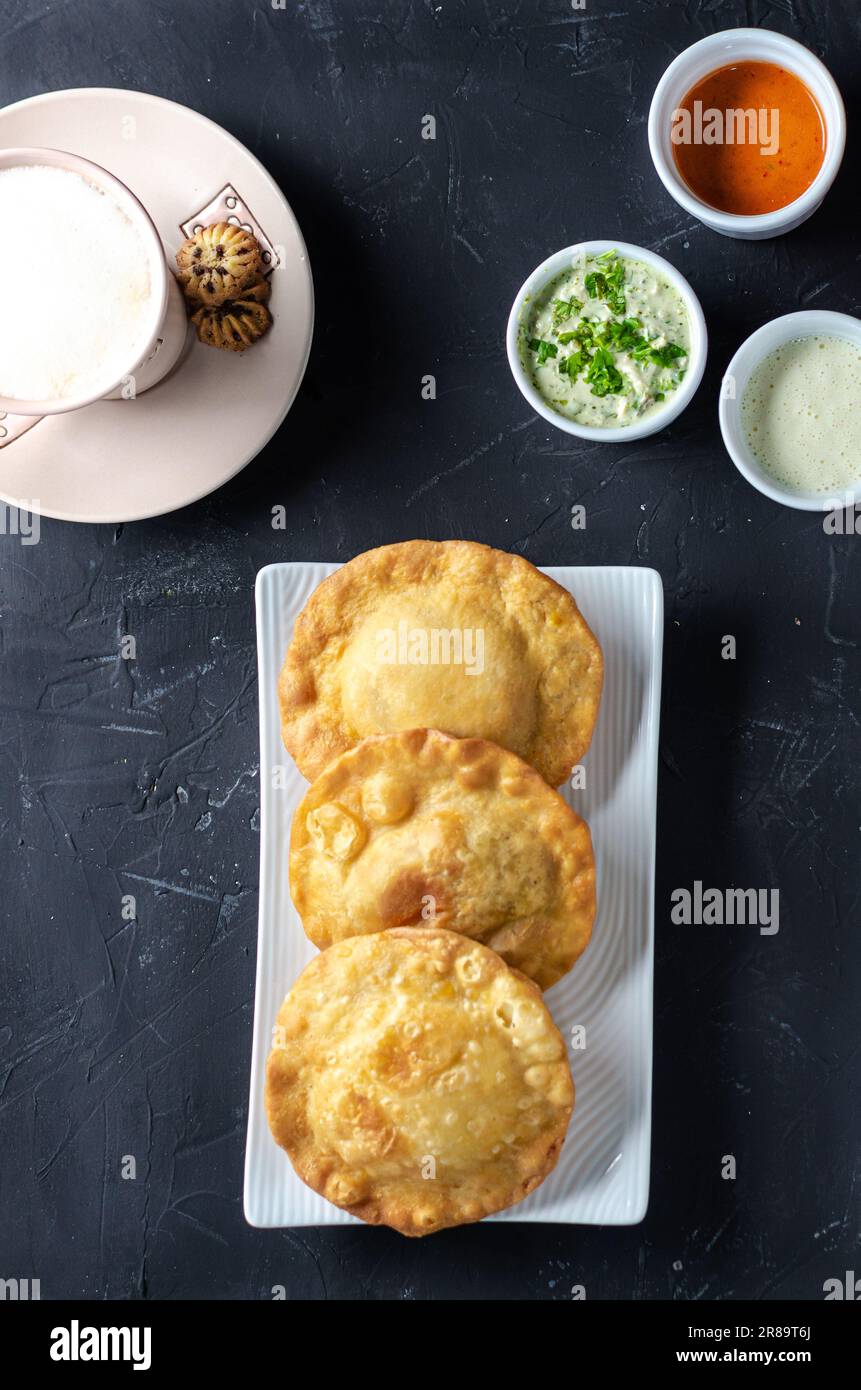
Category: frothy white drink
<point>75,285</point>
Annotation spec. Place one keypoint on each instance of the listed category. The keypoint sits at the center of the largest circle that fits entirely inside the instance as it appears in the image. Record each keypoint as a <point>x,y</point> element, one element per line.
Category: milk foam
<point>75,285</point>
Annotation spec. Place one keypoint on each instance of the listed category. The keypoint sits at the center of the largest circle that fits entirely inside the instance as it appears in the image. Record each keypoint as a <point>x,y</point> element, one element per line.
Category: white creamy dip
<point>606,342</point>
<point>801,417</point>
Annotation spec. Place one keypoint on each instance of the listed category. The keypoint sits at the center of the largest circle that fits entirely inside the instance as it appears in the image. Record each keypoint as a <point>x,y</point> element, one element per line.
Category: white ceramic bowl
<point>675,404</point>
<point>720,50</point>
<point>810,323</point>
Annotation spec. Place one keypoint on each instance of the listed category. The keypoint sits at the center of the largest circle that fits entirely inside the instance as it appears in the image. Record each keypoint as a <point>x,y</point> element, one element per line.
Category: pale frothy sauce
<point>801,414</point>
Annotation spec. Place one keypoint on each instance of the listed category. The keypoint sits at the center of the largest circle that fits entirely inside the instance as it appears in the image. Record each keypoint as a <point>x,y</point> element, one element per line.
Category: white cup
<point>168,320</point>
<point>809,323</point>
<point>720,50</point>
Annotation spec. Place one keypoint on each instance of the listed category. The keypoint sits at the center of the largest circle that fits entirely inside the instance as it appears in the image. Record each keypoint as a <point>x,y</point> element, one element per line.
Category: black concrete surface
<point>140,778</point>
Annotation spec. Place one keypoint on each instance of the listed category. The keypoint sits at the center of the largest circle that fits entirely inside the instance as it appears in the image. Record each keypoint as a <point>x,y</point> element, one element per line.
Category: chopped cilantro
<point>595,284</point>
<point>641,352</point>
<point>564,309</point>
<point>608,284</point>
<point>665,356</point>
<point>573,365</point>
<point>624,336</point>
<point>543,348</point>
<point>604,378</point>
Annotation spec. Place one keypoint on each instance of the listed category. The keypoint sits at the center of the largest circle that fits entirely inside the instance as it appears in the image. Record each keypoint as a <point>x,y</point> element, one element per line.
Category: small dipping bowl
<point>719,51</point>
<point>675,403</point>
<point>819,323</point>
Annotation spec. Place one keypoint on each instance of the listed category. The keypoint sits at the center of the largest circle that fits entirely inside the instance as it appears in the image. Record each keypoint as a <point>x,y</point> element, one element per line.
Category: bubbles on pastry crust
<point>336,833</point>
<point>426,1218</point>
<point>386,799</point>
<point>346,1189</point>
<point>504,1014</point>
<point>470,968</point>
<point>537,1076</point>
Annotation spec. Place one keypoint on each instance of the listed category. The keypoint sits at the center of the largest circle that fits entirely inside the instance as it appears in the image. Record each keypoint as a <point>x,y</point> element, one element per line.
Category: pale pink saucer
<point>123,460</point>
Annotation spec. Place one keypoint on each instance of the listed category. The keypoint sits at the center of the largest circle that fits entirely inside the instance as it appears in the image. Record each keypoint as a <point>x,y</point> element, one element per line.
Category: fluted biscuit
<point>237,324</point>
<point>218,263</point>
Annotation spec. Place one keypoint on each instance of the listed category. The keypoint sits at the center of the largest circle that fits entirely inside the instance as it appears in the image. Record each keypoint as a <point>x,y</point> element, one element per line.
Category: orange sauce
<point>738,177</point>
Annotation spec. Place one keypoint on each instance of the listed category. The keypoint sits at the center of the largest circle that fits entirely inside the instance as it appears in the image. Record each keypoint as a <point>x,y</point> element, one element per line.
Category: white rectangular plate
<point>602,1177</point>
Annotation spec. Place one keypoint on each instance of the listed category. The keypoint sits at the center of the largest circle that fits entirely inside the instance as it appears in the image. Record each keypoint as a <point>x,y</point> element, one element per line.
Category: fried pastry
<point>441,634</point>
<point>417,1081</point>
<point>416,829</point>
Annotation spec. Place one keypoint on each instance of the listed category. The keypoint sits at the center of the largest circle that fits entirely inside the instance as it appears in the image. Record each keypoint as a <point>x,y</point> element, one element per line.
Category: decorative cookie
<point>416,1081</point>
<point>445,635</point>
<point>237,324</point>
<point>218,263</point>
<point>419,829</point>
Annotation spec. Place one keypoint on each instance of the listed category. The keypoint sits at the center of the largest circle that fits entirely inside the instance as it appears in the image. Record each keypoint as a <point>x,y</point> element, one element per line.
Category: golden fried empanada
<point>441,634</point>
<point>417,829</point>
<point>417,1081</point>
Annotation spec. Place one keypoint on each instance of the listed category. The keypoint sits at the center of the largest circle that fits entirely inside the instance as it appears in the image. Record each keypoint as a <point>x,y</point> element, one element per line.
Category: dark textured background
<point>141,778</point>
